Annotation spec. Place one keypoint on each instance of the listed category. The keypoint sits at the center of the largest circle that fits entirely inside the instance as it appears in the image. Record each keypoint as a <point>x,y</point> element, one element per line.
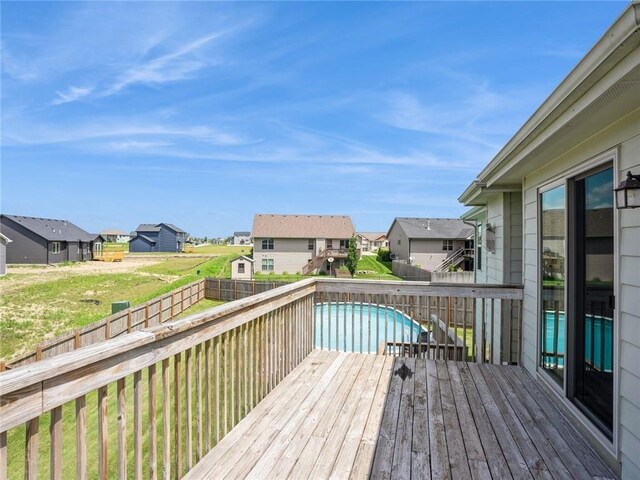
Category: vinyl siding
<point>138,245</point>
<point>166,241</point>
<point>625,135</point>
<point>401,251</point>
<point>429,254</point>
<point>26,247</point>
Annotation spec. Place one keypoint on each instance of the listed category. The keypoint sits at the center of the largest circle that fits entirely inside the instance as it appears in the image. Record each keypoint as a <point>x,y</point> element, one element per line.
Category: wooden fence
<point>230,290</point>
<point>154,312</point>
<point>409,272</point>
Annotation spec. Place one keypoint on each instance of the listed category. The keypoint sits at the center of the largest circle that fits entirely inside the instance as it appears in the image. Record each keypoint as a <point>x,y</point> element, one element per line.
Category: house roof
<point>436,228</point>
<point>113,231</point>
<point>53,230</point>
<point>602,88</point>
<point>143,237</point>
<point>372,236</point>
<point>242,258</point>
<point>302,226</point>
<point>155,227</point>
<point>241,234</point>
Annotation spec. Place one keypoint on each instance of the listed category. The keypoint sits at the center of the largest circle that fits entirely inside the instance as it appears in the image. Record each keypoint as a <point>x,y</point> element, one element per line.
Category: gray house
<point>432,242</point>
<point>3,253</point>
<point>46,240</point>
<point>159,237</point>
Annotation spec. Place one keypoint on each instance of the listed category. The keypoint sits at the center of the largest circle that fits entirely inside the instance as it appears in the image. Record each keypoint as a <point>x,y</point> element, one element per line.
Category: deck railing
<point>457,322</point>
<point>151,403</point>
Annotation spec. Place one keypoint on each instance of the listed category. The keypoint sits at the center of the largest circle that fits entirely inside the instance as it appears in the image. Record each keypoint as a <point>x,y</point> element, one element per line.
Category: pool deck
<point>340,415</point>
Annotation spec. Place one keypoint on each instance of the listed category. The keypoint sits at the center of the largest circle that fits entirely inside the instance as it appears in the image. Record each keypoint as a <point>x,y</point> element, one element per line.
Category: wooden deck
<point>343,415</point>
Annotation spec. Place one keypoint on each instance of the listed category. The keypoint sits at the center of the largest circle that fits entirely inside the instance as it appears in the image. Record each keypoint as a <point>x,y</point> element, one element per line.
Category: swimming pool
<point>598,341</point>
<point>349,327</point>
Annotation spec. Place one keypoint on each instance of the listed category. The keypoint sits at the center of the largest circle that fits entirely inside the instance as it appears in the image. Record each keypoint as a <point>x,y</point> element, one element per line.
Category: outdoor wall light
<point>628,192</point>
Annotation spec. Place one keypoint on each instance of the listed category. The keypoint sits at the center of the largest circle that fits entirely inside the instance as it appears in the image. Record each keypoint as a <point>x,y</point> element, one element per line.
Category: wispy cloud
<point>71,95</point>
<point>170,67</point>
<point>129,131</point>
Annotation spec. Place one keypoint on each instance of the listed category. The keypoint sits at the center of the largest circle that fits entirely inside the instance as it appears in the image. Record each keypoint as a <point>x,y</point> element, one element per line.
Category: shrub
<point>384,255</point>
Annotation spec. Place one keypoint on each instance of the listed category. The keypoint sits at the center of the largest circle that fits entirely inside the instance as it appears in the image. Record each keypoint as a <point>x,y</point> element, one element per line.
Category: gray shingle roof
<point>302,226</point>
<point>53,230</point>
<point>436,228</point>
<point>241,234</point>
<point>155,227</point>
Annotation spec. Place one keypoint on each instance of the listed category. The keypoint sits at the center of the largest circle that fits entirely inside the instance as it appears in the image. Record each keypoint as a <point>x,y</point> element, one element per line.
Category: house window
<point>344,243</point>
<point>311,245</point>
<point>447,245</point>
<point>329,244</point>
<point>55,247</point>
<point>240,267</point>
<point>267,264</point>
<point>267,244</point>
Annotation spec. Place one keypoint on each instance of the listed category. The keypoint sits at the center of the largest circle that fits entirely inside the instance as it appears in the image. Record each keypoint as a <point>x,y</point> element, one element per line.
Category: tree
<point>352,256</point>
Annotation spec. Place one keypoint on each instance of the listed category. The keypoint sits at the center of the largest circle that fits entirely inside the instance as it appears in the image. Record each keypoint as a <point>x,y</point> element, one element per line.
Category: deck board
<point>356,416</point>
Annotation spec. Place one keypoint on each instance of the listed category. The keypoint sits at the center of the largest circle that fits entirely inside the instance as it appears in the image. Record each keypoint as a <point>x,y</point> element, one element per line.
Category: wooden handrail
<point>244,348</point>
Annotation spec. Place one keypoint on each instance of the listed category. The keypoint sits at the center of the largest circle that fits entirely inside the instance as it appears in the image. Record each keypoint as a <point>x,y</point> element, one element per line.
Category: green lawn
<point>369,267</point>
<point>224,249</point>
<point>35,312</point>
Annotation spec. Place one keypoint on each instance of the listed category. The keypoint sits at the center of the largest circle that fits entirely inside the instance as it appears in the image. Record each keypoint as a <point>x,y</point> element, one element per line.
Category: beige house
<point>300,243</point>
<point>242,268</point>
<point>371,241</point>
<point>549,198</point>
<point>432,243</point>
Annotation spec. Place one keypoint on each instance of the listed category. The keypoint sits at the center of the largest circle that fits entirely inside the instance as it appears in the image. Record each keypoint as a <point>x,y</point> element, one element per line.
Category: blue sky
<point>204,113</point>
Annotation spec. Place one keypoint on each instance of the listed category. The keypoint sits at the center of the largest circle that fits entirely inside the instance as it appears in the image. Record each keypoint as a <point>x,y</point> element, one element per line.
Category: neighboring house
<point>300,243</point>
<point>432,243</point>
<point>3,253</point>
<point>115,236</point>
<point>242,268</point>
<point>548,195</point>
<point>372,241</point>
<point>242,238</point>
<point>45,240</point>
<point>159,237</point>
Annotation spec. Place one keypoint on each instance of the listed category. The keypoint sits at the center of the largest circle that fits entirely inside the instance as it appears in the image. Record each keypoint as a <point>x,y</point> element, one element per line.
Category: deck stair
<point>452,261</point>
<point>317,261</point>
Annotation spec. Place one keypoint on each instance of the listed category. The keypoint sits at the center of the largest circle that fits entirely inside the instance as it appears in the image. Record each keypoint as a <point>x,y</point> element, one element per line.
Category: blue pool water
<point>348,327</point>
<point>598,350</point>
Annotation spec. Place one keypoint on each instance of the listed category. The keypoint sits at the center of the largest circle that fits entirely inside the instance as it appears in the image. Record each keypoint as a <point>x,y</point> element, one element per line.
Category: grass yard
<point>33,310</point>
<point>370,267</point>
<point>224,249</point>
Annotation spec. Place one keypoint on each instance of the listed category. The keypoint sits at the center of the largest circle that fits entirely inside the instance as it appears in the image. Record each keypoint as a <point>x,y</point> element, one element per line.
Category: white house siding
<point>625,136</point>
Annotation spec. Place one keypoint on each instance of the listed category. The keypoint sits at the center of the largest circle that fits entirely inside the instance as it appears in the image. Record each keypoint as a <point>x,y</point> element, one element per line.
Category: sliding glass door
<point>577,291</point>
<point>593,272</point>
